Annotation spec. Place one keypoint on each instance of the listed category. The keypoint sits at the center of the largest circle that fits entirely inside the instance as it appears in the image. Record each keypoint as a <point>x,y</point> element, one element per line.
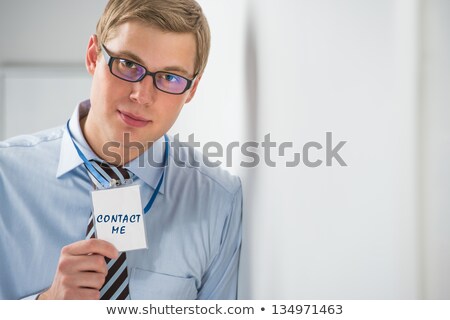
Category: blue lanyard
<point>105,183</point>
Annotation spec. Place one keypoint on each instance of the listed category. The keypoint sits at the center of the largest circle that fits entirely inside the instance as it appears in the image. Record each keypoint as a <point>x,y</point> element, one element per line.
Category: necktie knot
<point>115,175</point>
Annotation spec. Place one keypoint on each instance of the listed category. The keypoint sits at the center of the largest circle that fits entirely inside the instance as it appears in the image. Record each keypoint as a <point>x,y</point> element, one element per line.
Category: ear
<point>193,88</point>
<point>92,54</point>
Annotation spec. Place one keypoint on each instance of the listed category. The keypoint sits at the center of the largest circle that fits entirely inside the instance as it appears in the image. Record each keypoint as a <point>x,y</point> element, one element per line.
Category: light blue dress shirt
<point>193,229</point>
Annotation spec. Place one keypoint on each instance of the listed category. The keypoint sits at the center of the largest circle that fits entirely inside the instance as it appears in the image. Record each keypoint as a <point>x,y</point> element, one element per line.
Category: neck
<point>113,152</point>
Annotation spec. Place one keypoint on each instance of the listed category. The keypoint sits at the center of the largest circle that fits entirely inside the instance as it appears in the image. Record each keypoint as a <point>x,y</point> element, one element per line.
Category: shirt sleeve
<point>221,279</point>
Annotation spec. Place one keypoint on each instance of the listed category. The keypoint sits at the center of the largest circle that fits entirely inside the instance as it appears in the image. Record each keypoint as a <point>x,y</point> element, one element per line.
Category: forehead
<point>154,48</point>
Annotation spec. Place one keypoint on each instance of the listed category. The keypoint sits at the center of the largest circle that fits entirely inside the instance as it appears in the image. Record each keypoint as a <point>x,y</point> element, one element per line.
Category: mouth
<point>133,120</point>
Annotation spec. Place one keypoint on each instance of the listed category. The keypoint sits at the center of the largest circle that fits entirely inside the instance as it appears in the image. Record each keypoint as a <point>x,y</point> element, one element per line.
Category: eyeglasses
<point>134,72</point>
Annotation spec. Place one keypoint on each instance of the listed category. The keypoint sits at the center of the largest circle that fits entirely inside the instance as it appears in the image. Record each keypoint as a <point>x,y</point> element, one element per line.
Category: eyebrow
<point>130,55</point>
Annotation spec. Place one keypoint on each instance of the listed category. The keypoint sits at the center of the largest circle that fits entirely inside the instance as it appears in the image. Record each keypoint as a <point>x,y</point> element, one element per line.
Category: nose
<point>144,91</point>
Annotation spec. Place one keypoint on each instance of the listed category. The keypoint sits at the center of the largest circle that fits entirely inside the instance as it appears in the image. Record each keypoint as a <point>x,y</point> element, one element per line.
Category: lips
<point>133,120</point>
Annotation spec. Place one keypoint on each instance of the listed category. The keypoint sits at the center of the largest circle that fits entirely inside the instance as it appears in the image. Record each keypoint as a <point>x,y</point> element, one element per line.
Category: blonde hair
<point>169,15</point>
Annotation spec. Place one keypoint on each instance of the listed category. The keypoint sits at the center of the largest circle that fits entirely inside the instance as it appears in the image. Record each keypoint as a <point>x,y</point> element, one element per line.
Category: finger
<point>94,263</point>
<point>89,280</point>
<point>82,294</point>
<point>91,246</point>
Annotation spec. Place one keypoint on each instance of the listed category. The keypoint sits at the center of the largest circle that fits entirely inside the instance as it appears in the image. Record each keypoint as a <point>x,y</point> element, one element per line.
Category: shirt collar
<point>148,166</point>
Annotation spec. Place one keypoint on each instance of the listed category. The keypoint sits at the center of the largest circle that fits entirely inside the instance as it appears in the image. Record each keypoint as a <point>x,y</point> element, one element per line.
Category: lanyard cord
<point>105,183</point>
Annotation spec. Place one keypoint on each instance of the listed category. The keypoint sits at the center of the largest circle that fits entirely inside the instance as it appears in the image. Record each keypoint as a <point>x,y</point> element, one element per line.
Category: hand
<point>81,271</point>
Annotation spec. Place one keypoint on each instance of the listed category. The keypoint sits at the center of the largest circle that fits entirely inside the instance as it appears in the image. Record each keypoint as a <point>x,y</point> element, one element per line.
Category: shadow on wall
<point>249,176</point>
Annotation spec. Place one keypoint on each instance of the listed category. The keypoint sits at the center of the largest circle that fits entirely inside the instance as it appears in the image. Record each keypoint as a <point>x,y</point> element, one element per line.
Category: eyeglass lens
<point>164,81</point>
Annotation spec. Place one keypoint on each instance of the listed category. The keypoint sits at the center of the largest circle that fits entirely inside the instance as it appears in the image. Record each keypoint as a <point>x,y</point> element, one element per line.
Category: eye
<point>170,77</point>
<point>128,64</point>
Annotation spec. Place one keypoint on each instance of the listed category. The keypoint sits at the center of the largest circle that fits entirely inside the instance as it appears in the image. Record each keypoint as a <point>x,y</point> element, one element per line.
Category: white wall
<point>47,31</point>
<point>42,51</point>
<point>374,73</point>
<point>333,232</point>
<point>40,97</point>
<point>435,155</point>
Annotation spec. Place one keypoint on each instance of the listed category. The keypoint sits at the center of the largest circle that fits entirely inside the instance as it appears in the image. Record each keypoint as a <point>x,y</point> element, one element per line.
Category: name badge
<point>118,217</point>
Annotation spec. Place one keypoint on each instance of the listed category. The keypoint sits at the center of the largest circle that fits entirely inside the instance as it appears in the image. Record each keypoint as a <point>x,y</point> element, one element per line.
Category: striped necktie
<point>116,282</point>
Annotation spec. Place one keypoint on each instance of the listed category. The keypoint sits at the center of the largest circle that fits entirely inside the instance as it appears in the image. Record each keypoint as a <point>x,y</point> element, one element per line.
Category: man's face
<point>139,109</point>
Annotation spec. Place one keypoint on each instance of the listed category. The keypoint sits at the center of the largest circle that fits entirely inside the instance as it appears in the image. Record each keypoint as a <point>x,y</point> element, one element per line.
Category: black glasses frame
<point>110,59</point>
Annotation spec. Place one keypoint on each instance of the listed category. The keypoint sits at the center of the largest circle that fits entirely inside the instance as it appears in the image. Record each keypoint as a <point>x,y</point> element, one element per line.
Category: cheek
<point>173,112</point>
<point>166,116</point>
<point>173,119</point>
<point>106,91</point>
<point>99,88</point>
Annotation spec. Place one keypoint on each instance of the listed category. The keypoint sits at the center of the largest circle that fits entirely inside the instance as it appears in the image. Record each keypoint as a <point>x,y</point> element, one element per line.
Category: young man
<point>146,60</point>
